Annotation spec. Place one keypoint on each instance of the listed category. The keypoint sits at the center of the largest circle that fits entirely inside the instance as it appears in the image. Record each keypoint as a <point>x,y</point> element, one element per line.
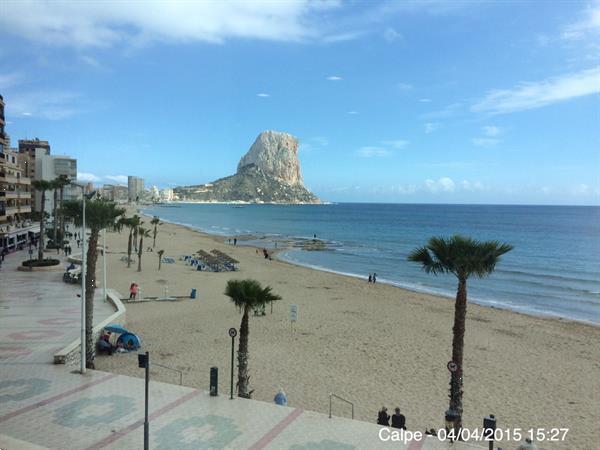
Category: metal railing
<point>174,370</point>
<point>342,399</point>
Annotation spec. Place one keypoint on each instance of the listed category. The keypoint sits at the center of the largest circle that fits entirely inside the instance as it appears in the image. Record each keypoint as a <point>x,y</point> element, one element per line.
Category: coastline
<point>446,296</point>
<point>373,344</point>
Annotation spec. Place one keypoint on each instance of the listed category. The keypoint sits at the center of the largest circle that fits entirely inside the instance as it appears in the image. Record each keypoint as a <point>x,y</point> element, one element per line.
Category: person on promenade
<point>398,420</point>
<point>383,418</point>
<point>4,253</point>
<point>133,290</point>
<point>78,243</point>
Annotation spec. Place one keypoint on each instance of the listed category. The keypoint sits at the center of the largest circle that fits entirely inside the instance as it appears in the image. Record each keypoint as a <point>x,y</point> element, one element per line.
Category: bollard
<point>214,381</point>
<point>489,428</point>
<point>193,293</point>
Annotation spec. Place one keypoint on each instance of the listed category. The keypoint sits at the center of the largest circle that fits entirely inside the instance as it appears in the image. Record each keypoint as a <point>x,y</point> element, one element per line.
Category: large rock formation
<point>276,154</point>
<point>268,173</point>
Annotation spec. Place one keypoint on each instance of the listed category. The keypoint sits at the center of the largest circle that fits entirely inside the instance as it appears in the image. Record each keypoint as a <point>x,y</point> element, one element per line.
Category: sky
<point>392,101</point>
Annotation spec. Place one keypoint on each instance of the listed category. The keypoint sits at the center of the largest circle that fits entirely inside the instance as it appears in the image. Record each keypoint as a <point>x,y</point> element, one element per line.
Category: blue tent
<point>116,328</point>
<point>130,341</point>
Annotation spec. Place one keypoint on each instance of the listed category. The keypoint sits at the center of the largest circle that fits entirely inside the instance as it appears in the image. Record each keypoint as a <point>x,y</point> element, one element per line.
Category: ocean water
<point>554,268</point>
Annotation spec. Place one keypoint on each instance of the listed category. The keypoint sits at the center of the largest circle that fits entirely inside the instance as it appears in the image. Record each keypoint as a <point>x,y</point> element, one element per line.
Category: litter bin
<point>214,381</point>
<point>193,293</point>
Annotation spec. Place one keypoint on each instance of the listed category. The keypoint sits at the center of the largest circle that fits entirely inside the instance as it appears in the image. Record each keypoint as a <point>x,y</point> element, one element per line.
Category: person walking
<point>374,278</point>
<point>383,418</point>
<point>133,290</point>
<point>398,420</point>
<point>370,278</point>
<point>234,241</point>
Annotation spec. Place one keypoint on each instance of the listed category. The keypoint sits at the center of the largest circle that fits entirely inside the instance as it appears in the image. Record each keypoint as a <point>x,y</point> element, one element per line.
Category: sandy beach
<point>371,344</point>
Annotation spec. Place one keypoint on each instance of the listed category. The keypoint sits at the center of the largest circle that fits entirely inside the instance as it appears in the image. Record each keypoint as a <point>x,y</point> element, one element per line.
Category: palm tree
<point>160,254</point>
<point>61,181</point>
<point>246,295</point>
<point>55,188</point>
<point>99,214</point>
<point>132,223</point>
<point>461,256</point>
<point>142,232</point>
<point>42,186</point>
<point>156,222</point>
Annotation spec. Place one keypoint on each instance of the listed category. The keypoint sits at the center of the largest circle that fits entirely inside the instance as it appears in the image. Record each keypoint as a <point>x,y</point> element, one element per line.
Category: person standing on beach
<point>234,241</point>
<point>370,278</point>
<point>398,420</point>
<point>133,290</point>
<point>374,277</point>
<point>383,418</point>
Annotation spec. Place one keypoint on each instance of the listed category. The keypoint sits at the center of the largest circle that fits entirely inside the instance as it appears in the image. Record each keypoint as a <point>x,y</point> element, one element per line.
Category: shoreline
<point>372,344</point>
<point>275,252</point>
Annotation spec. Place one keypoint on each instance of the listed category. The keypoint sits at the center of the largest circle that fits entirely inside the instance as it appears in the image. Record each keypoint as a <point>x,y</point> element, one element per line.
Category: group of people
<point>372,278</point>
<point>66,249</point>
<point>398,419</point>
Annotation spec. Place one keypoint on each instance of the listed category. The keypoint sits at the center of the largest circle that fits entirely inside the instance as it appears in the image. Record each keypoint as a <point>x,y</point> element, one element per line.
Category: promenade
<point>47,406</point>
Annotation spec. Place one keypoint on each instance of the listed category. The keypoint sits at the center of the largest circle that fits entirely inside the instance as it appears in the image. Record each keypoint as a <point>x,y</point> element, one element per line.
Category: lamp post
<point>104,264</point>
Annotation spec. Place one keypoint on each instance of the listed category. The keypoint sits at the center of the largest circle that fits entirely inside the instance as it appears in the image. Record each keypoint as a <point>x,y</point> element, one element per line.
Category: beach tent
<point>130,341</point>
<point>116,328</point>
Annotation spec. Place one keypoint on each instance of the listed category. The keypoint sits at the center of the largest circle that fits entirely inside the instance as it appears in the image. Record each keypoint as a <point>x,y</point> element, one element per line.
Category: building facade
<point>16,228</point>
<point>48,167</point>
<point>28,148</point>
<point>135,188</point>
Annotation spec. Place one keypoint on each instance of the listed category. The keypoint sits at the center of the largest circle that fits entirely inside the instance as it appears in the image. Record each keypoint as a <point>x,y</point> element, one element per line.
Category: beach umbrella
<point>116,328</point>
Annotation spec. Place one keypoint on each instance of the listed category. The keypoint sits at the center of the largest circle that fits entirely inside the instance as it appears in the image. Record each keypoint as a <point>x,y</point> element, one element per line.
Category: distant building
<point>29,148</point>
<point>115,193</point>
<point>49,167</point>
<point>154,194</point>
<point>16,228</point>
<point>166,195</point>
<point>135,188</point>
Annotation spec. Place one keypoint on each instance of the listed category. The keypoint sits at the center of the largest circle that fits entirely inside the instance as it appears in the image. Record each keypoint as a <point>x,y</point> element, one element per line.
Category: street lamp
<point>83,276</point>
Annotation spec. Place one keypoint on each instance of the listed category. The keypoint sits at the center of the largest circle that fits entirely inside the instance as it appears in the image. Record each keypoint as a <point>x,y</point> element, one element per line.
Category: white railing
<point>342,399</point>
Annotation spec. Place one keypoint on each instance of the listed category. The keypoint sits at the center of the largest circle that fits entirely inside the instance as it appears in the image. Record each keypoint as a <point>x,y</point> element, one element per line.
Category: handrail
<point>331,395</point>
<point>174,370</point>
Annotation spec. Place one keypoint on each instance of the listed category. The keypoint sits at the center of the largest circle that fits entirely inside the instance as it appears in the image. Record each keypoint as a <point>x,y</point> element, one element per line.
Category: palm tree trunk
<point>62,216</point>
<point>90,288</point>
<point>154,237</point>
<point>243,377</point>
<point>129,244</point>
<point>54,221</point>
<point>135,239</point>
<point>42,228</point>
<point>159,262</point>
<point>140,254</point>
<point>458,343</point>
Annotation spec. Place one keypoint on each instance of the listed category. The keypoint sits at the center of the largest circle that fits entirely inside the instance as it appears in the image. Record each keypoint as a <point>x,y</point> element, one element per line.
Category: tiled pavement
<point>47,406</point>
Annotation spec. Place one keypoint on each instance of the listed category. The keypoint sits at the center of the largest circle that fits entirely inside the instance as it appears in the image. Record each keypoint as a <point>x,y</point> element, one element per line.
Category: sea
<point>554,269</point>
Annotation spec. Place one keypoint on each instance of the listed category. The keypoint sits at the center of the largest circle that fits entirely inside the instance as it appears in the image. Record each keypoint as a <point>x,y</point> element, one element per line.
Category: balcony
<point>9,195</point>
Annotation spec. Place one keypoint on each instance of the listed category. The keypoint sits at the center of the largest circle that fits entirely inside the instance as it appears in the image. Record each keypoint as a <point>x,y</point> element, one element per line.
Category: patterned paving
<point>47,406</point>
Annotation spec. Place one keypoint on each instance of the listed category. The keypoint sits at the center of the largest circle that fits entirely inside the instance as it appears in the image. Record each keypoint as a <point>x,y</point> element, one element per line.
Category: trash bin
<point>214,381</point>
<point>193,293</point>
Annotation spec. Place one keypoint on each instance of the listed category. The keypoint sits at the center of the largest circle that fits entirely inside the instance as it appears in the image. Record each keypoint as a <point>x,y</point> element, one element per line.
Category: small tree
<point>156,222</point>
<point>61,181</point>
<point>246,295</point>
<point>42,186</point>
<point>132,223</point>
<point>143,232</point>
<point>99,214</point>
<point>160,254</point>
<point>462,257</point>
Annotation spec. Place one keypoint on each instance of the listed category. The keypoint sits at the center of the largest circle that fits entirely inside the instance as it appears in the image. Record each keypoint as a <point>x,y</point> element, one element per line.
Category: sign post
<point>233,334</point>
<point>144,363</point>
<point>452,366</point>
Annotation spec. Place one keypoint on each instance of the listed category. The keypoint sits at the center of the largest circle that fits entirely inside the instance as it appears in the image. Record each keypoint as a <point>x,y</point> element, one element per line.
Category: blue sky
<point>429,101</point>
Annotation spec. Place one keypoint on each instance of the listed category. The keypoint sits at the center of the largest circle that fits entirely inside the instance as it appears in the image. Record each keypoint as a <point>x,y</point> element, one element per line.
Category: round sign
<point>232,332</point>
<point>452,367</point>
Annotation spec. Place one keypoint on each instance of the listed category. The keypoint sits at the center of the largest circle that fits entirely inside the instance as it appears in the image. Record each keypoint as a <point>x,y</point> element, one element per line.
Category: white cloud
<point>404,86</point>
<point>263,95</point>
<point>430,127</point>
<point>589,24</point>
<point>342,37</point>
<point>491,130</point>
<point>484,142</point>
<point>471,187</point>
<point>352,112</point>
<point>93,24</point>
<point>334,78</point>
<point>443,184</point>
<point>536,95</point>
<point>425,100</point>
<point>398,143</point>
<point>51,104</point>
<point>88,177</point>
<point>121,179</point>
<point>369,152</point>
<point>391,35</point>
